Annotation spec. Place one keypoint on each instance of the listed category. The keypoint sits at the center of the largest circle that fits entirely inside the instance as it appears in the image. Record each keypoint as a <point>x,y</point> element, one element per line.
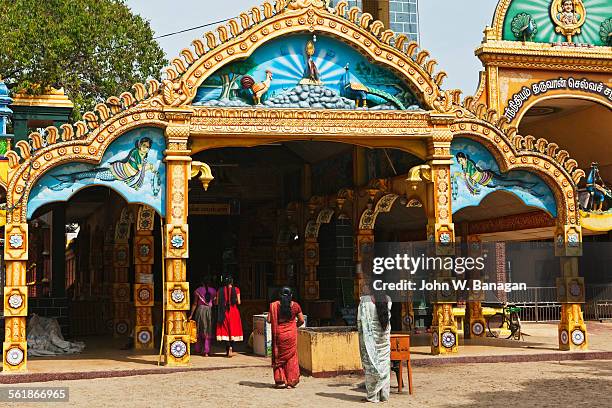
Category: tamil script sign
<point>539,88</point>
<point>231,208</point>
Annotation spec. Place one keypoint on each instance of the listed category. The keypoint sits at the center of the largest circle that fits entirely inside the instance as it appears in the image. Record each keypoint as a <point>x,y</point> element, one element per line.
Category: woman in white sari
<point>374,328</point>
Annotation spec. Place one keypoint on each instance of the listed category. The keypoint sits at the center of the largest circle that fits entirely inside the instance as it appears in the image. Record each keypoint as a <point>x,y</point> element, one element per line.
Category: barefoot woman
<point>282,317</point>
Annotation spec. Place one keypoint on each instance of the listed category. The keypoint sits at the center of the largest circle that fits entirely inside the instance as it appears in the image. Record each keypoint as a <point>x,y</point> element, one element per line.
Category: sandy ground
<point>548,384</point>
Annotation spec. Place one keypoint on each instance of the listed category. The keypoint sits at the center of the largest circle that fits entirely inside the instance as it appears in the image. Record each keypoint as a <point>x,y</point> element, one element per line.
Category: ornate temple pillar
<point>311,251</point>
<point>475,319</point>
<point>143,282</point>
<point>364,244</point>
<point>441,233</point>
<point>121,263</point>
<point>176,245</point>
<point>14,347</point>
<point>570,289</point>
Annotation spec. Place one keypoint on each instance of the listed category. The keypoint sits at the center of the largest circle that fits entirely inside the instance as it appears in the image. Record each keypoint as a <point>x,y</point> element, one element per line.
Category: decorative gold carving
<point>204,171</point>
<point>300,4</point>
<point>569,16</point>
<point>549,165</point>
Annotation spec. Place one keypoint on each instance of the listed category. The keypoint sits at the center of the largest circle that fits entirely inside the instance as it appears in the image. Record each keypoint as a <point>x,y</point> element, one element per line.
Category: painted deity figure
<point>476,178</point>
<point>131,170</point>
<point>312,72</point>
<point>568,15</point>
<point>597,189</point>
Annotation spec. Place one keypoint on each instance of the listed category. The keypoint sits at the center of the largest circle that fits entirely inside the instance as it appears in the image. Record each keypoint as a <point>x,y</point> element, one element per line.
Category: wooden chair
<point>400,351</point>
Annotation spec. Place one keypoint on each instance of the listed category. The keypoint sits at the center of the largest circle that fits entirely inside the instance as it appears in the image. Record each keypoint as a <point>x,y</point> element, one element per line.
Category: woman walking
<point>375,344</point>
<point>229,324</point>
<point>282,318</point>
<point>204,297</point>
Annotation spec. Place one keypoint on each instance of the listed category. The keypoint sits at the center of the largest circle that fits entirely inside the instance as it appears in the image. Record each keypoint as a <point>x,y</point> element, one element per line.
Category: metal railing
<point>540,304</point>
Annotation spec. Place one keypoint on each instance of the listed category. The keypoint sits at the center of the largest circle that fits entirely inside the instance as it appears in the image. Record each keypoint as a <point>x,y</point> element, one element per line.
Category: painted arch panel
<point>538,20</point>
<point>475,174</point>
<point>132,166</point>
<point>304,71</point>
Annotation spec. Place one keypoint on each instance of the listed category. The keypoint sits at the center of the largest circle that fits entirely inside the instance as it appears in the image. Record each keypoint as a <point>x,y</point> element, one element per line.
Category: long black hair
<point>204,282</point>
<point>285,303</point>
<point>382,308</point>
<point>225,303</point>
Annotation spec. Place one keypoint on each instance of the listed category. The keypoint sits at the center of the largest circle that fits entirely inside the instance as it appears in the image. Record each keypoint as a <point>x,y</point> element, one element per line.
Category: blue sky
<point>450,30</point>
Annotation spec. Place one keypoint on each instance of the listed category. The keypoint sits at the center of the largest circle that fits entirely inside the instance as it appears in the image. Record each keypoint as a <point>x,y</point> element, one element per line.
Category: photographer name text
<point>434,285</point>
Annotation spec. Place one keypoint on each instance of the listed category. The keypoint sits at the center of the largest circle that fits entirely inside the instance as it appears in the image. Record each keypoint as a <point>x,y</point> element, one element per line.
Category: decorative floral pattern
<point>144,336</point>
<point>477,328</point>
<point>177,241</point>
<point>144,294</point>
<point>15,301</point>
<point>564,337</point>
<point>448,339</point>
<point>178,348</point>
<point>577,337</point>
<point>16,241</point>
<point>177,296</point>
<point>14,356</point>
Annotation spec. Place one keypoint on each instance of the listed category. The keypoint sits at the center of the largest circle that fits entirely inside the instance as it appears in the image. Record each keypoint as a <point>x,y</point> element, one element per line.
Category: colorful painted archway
<point>364,85</point>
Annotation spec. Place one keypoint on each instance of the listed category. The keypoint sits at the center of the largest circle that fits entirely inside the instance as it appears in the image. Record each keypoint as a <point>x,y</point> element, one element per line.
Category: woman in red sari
<point>282,317</point>
<point>229,324</point>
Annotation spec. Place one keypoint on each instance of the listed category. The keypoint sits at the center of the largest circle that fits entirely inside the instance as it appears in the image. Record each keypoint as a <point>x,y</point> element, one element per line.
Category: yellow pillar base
<point>572,330</point>
<point>14,356</point>
<point>176,350</point>
<point>444,333</point>
<point>444,340</point>
<point>143,338</point>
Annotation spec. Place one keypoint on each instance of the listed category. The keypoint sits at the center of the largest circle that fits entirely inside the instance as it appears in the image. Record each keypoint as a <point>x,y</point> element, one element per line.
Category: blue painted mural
<point>475,174</point>
<point>309,72</point>
<point>132,166</point>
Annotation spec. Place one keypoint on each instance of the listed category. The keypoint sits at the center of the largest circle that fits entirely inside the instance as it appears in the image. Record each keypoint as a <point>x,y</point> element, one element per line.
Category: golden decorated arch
<point>426,133</point>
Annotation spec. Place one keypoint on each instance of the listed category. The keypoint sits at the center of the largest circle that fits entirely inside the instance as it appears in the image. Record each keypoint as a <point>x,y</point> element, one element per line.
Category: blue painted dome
<point>3,89</point>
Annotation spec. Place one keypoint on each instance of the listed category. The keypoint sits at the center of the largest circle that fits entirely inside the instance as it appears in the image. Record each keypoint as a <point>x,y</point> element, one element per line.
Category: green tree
<point>91,48</point>
<point>230,75</point>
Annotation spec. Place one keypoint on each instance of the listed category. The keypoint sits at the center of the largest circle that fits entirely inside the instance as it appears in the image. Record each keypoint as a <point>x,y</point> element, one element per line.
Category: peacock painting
<point>524,27</point>
<point>605,32</point>
<point>351,88</point>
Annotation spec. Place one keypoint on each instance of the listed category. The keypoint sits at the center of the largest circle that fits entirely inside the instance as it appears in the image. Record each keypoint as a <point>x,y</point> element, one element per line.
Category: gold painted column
<point>121,286</point>
<point>570,289</point>
<point>143,286</point>
<point>475,319</point>
<point>441,233</point>
<point>14,347</point>
<point>176,239</point>
<point>365,253</point>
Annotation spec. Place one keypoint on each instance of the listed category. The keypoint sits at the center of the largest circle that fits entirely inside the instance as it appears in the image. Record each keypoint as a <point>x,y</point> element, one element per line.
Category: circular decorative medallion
<point>178,348</point>
<point>16,241</point>
<point>15,301</point>
<point>448,339</point>
<point>477,328</point>
<point>144,294</point>
<point>177,241</point>
<point>144,336</point>
<point>177,296</point>
<point>575,289</point>
<point>122,292</point>
<point>445,238</point>
<point>121,328</point>
<point>14,356</point>
<point>572,239</point>
<point>434,340</point>
<point>564,337</point>
<point>577,337</point>
<point>144,250</point>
